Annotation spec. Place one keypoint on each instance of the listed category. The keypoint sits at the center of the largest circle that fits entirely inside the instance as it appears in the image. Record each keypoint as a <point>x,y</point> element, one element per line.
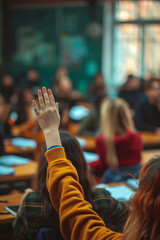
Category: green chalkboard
<point>45,38</point>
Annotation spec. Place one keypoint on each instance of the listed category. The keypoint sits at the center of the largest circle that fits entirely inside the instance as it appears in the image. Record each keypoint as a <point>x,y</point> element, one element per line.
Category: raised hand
<point>48,116</point>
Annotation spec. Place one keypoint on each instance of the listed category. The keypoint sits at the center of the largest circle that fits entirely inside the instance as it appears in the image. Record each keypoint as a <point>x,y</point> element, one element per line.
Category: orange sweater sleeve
<point>77,219</point>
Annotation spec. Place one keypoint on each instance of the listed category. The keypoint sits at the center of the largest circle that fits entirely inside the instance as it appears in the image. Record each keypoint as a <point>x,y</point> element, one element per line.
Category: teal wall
<point>39,36</point>
<point>0,31</point>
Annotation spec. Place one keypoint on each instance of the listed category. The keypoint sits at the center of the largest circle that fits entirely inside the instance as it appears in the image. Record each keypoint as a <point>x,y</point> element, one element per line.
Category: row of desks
<point>149,139</point>
<point>29,170</point>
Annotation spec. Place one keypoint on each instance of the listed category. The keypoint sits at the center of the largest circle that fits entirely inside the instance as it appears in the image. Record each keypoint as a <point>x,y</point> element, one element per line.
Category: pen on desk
<point>3,201</point>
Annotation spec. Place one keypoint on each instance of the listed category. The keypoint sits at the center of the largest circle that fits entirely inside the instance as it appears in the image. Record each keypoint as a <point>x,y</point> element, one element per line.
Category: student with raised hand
<point>77,219</point>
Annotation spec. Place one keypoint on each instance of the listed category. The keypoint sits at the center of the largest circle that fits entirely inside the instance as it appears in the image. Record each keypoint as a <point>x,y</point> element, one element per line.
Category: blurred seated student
<point>118,145</point>
<point>77,218</point>
<point>7,87</point>
<point>90,125</point>
<point>61,72</point>
<point>96,88</point>
<point>64,114</point>
<point>25,115</point>
<point>64,92</point>
<point>147,114</point>
<point>36,210</point>
<point>2,131</point>
<point>131,91</point>
<point>30,80</point>
<point>25,124</point>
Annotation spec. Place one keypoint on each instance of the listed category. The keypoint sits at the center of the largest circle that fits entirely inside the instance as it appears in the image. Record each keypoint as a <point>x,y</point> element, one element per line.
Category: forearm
<point>77,219</point>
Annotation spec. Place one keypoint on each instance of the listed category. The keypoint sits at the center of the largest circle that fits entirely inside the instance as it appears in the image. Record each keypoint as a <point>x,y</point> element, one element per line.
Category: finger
<point>57,107</point>
<point>35,107</point>
<point>46,98</point>
<point>40,98</point>
<point>51,98</point>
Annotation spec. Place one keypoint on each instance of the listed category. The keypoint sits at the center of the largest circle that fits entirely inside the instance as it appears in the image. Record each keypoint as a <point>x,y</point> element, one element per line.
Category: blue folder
<point>13,160</point>
<point>78,112</point>
<point>90,157</point>
<point>4,171</point>
<point>82,142</point>
<point>24,143</point>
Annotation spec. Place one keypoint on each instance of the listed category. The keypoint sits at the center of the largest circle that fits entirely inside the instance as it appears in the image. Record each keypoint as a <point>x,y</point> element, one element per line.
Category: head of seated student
<point>132,83</point>
<point>63,87</point>
<point>61,72</point>
<point>64,115</point>
<point>98,85</point>
<point>33,76</point>
<point>75,155</point>
<point>152,90</point>
<point>116,118</point>
<point>144,218</point>
<point>24,102</point>
<point>7,81</point>
<point>7,85</point>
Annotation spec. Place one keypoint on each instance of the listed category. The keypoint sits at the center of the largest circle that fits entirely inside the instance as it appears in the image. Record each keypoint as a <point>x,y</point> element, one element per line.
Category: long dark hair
<point>75,155</point>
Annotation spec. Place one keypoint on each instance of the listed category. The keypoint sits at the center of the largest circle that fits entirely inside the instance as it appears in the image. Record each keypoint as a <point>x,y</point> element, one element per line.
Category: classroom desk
<point>150,139</point>
<point>10,149</point>
<point>148,154</point>
<point>13,199</point>
<point>27,171</point>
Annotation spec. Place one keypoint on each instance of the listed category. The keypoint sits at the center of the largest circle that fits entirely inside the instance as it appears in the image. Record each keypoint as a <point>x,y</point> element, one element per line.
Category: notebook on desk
<point>134,183</point>
<point>121,192</point>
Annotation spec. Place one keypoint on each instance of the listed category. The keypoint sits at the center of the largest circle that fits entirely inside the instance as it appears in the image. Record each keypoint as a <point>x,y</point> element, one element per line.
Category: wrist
<point>52,138</point>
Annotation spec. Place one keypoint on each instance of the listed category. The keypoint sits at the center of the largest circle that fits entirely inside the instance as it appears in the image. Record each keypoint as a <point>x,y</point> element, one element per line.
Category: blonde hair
<point>115,119</point>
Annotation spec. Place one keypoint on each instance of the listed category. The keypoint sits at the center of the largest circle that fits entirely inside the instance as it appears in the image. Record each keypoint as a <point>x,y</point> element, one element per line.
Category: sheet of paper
<point>133,183</point>
<point>121,192</point>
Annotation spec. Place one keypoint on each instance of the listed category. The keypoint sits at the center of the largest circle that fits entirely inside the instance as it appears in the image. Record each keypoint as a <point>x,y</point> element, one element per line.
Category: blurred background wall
<point>115,37</point>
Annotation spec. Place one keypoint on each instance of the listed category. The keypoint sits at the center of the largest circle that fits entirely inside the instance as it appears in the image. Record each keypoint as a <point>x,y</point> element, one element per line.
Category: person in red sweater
<point>118,145</point>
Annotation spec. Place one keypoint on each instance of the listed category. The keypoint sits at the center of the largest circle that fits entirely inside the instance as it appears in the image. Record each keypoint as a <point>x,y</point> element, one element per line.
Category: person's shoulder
<point>32,197</point>
<point>100,193</point>
<point>143,104</point>
<point>100,137</point>
<point>134,134</point>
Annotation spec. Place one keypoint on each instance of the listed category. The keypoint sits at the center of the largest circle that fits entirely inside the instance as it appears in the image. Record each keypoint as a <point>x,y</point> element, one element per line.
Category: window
<point>136,39</point>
